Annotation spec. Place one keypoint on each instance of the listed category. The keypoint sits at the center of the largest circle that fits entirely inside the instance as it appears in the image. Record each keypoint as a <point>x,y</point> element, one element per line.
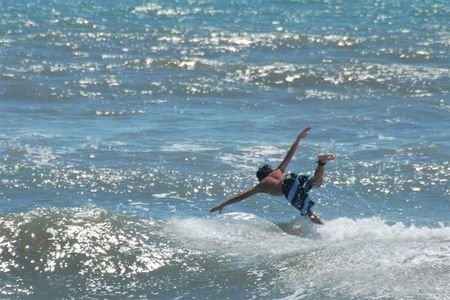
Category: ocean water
<point>124,122</point>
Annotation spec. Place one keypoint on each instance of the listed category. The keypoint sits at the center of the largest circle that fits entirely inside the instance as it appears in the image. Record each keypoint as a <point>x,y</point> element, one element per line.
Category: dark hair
<point>263,172</point>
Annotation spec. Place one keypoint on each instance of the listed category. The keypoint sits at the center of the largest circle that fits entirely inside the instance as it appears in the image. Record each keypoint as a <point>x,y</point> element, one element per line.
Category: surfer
<point>293,186</point>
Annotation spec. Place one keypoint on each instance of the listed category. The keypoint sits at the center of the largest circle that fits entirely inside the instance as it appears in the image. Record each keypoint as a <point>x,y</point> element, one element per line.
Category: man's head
<point>263,172</point>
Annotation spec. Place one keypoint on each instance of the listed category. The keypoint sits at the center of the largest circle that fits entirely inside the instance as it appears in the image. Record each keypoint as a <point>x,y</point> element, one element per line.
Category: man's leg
<point>318,180</point>
<point>320,170</point>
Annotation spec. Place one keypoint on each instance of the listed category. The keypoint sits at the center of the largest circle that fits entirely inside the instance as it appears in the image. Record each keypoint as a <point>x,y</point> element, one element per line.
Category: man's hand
<point>217,208</point>
<point>237,198</point>
<point>304,133</point>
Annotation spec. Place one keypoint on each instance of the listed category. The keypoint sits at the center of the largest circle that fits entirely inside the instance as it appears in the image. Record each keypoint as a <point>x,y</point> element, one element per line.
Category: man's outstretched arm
<point>287,159</point>
<point>237,198</point>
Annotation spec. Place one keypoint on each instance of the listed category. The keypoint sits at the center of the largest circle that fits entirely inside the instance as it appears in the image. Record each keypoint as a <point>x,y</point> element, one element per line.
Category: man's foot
<point>314,218</point>
<point>323,158</point>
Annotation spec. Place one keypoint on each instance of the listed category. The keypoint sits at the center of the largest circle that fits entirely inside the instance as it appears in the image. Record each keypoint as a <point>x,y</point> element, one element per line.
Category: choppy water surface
<point>123,123</point>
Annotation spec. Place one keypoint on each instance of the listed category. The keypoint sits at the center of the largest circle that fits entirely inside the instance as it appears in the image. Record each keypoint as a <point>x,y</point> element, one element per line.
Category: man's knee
<point>317,182</point>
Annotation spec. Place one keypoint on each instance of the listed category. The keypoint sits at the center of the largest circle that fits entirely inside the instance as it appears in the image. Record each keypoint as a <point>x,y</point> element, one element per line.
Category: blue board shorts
<point>295,188</point>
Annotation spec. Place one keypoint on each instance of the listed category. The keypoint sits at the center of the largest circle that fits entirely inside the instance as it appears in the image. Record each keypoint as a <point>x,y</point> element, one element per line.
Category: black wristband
<point>321,163</point>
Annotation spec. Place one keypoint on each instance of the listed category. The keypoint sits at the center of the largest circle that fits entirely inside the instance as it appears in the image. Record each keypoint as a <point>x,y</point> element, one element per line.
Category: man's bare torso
<point>272,183</point>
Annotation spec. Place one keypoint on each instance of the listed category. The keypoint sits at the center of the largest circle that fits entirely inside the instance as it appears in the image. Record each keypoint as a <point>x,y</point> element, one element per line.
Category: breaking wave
<point>110,254</point>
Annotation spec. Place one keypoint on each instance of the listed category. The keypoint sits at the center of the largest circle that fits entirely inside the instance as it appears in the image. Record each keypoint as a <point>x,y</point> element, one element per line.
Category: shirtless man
<point>294,187</point>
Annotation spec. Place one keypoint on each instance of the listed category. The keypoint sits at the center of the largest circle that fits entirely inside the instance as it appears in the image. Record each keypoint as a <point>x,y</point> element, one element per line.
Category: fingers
<point>217,208</point>
<point>305,132</point>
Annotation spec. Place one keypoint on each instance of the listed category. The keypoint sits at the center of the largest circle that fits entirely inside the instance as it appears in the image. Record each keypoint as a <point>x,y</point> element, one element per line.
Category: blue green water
<point>124,122</point>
